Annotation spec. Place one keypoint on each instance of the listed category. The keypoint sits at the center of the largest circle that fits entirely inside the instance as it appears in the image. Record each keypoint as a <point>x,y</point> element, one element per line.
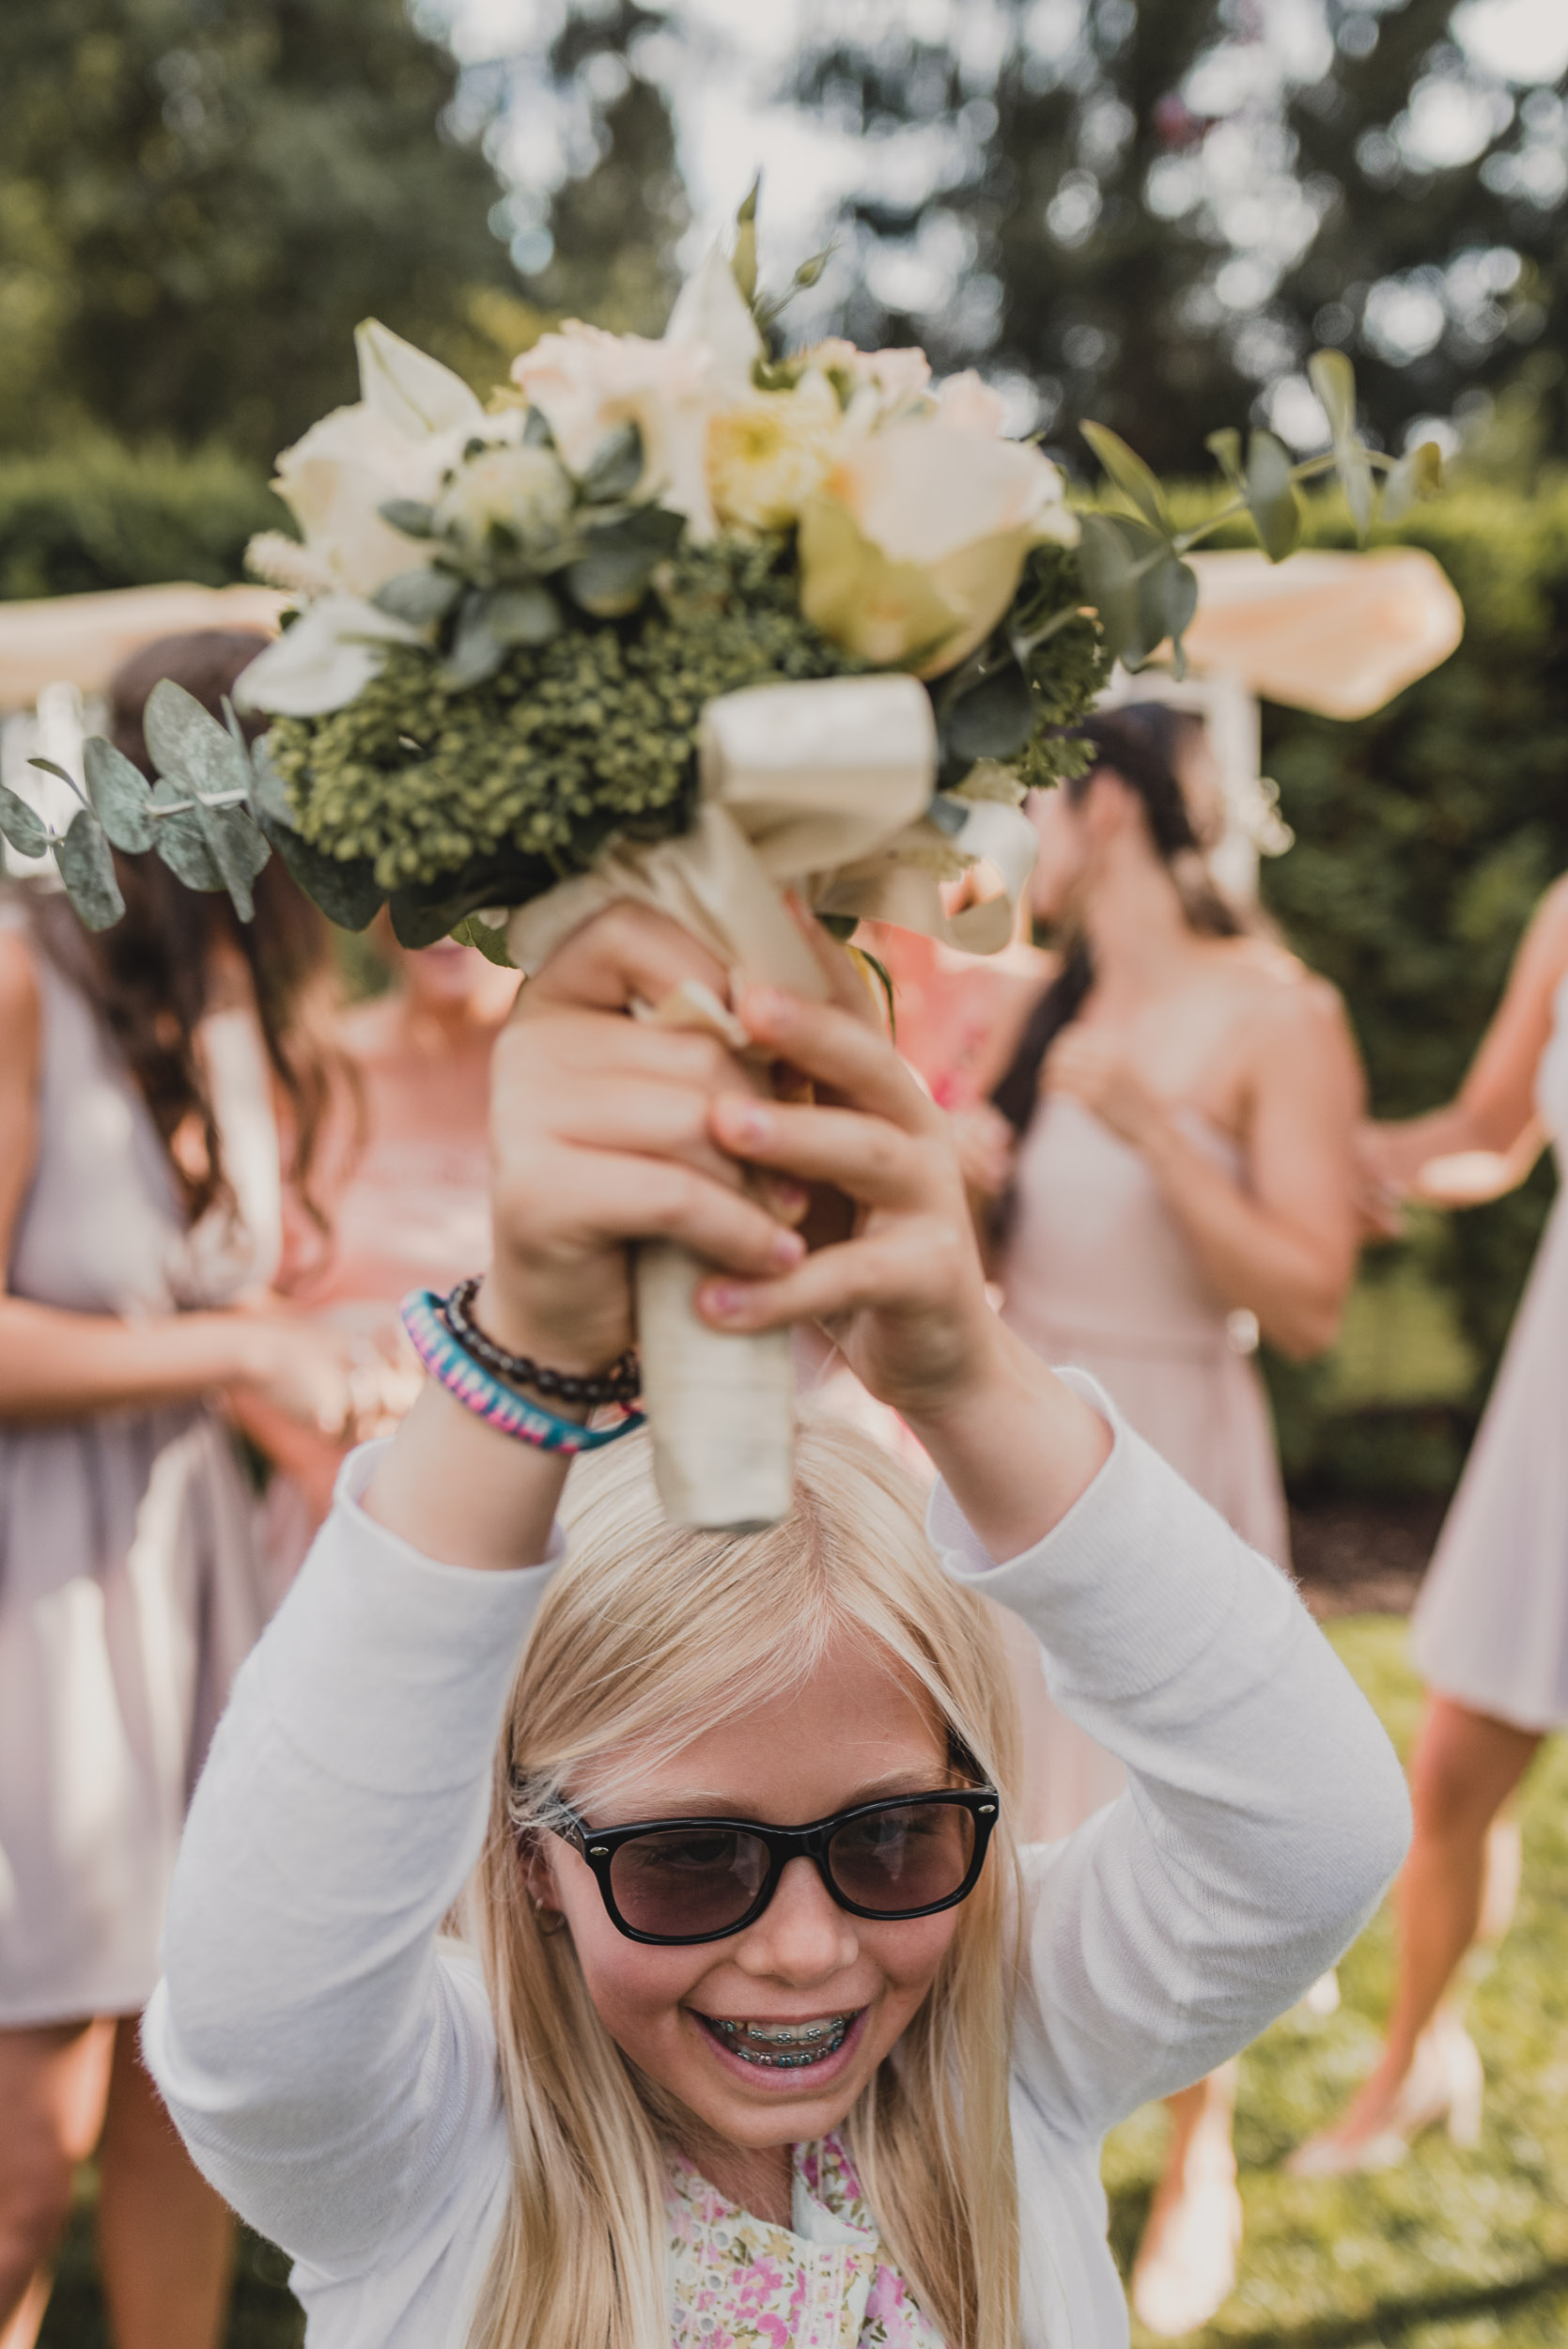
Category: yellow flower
<point>767,455</point>
<point>910,552</point>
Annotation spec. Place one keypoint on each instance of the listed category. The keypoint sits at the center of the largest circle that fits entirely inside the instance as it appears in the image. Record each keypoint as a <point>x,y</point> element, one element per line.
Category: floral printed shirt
<point>822,2282</point>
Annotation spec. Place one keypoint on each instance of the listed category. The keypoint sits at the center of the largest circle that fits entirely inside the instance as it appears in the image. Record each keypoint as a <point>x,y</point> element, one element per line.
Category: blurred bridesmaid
<point>403,1172</point>
<point>1170,1166</point>
<point>1491,1626</point>
<point>140,1222</point>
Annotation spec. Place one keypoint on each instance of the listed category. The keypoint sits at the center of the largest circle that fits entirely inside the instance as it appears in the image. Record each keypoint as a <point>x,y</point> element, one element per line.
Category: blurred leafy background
<point>1145,215</point>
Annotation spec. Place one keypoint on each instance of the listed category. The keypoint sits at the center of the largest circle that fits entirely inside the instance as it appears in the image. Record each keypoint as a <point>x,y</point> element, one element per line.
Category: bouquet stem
<point>722,1406</point>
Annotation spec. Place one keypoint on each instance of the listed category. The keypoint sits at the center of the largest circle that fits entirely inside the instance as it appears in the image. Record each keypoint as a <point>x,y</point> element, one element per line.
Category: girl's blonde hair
<point>649,1633</point>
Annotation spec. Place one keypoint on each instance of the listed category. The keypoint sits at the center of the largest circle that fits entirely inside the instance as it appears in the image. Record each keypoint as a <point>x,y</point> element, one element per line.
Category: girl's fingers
<point>871,1160</point>
<point>839,1050</point>
<point>628,953</point>
<point>896,1269</point>
<point>598,1197</point>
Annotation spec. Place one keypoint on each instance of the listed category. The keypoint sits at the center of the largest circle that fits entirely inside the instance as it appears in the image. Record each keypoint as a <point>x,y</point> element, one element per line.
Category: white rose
<point>913,550</point>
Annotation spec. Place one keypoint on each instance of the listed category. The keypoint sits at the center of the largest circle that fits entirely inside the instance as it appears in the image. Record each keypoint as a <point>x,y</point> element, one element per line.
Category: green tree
<point>1150,213</point>
<point>198,204</point>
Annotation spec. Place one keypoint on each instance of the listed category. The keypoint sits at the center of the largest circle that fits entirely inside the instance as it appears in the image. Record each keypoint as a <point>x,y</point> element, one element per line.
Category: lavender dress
<point>129,1589</point>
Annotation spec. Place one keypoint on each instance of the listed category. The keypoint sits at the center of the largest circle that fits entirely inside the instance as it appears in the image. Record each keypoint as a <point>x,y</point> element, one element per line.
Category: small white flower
<point>525,492</point>
<point>768,454</point>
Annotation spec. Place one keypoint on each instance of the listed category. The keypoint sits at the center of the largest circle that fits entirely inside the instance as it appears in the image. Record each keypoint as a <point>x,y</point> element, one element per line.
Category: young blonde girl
<point>763,2028</point>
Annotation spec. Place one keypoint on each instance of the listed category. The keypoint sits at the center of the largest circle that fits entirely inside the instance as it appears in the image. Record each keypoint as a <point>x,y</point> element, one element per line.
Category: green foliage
<point>1081,193</point>
<point>1425,836</point>
<point>1450,2250</point>
<point>197,205</point>
<point>100,515</point>
<point>591,732</point>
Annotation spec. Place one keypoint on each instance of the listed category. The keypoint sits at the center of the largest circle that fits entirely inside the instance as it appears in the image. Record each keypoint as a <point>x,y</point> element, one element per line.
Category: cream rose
<point>523,492</point>
<point>767,455</point>
<point>911,551</point>
<point>585,382</point>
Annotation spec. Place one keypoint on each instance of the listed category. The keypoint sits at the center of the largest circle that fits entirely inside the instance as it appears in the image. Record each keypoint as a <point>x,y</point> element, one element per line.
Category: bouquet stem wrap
<point>799,784</point>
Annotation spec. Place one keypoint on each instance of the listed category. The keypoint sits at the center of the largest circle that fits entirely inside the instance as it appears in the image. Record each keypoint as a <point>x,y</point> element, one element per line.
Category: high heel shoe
<point>1444,2085</point>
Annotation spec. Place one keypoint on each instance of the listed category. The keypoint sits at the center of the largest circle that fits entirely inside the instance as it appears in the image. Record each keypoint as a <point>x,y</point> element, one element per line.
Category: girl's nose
<point>802,1935</point>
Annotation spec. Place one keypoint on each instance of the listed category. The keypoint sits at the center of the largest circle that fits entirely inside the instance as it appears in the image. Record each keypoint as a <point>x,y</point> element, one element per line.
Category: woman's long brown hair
<point>151,978</point>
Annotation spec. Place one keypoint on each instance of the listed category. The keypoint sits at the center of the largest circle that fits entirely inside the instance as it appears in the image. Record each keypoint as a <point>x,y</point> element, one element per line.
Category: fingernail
<point>788,1248</point>
<point>722,1300</point>
<point>748,1121</point>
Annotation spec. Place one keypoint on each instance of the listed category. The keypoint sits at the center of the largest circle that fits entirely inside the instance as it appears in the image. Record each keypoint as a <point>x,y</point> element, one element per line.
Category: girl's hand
<point>308,1370</point>
<point>599,1138</point>
<point>903,1294</point>
<point>1095,1069</point>
<point>986,1146</point>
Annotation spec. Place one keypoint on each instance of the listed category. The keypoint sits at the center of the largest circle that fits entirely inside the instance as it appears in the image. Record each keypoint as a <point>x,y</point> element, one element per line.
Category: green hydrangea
<point>590,734</point>
<point>593,733</point>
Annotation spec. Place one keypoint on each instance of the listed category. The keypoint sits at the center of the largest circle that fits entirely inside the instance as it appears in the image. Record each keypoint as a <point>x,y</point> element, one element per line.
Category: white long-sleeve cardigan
<point>331,2062</point>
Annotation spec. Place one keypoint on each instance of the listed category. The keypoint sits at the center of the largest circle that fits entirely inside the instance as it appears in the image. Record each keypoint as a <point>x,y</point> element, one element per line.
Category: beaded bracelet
<point>480,1392</point>
<point>621,1383</point>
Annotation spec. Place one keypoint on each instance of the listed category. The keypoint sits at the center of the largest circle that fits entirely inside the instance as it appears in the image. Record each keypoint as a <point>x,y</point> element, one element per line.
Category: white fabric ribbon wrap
<point>822,787</point>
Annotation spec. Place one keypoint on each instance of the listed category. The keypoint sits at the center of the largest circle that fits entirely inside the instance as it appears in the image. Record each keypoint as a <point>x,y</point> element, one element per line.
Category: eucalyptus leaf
<point>419,597</point>
<point>22,825</point>
<point>1333,379</point>
<point>1271,498</point>
<point>523,615</point>
<point>180,839</point>
<point>346,889</point>
<point>477,651</point>
<point>269,792</point>
<point>61,774</point>
<point>411,515</point>
<point>188,747</point>
<point>88,870</point>
<point>1224,446</point>
<point>120,794</point>
<point>616,466</point>
<point>1418,475</point>
<point>1354,468</point>
<point>239,849</point>
<point>1167,600</point>
<point>611,578</point>
<point>536,430</point>
<point>1106,568</point>
<point>995,719</point>
<point>1131,474</point>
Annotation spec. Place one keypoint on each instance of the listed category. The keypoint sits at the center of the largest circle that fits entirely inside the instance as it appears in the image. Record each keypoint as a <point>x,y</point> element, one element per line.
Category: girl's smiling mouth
<point>782,2046</point>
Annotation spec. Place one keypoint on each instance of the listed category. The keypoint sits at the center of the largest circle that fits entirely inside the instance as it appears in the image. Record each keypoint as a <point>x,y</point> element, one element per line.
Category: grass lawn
<point>1451,2252</point>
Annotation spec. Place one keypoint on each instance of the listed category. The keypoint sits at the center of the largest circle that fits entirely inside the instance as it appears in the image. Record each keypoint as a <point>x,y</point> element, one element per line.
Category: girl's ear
<point>538,1874</point>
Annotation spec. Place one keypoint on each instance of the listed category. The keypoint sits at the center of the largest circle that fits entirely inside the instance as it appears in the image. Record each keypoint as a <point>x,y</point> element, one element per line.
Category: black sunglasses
<point>680,1880</point>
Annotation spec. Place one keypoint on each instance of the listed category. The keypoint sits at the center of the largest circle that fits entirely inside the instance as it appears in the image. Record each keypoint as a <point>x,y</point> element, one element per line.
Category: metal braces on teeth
<point>814,2042</point>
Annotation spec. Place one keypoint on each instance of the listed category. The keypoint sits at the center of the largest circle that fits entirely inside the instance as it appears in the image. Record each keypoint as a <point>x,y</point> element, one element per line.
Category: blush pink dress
<point>1097,1273</point>
<point>1491,1626</point>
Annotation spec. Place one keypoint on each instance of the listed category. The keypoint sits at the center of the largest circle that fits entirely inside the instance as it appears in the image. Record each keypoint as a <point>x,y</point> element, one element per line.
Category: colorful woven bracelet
<point>477,1390</point>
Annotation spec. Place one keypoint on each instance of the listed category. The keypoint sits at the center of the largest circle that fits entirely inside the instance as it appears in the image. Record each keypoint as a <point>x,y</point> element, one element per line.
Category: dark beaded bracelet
<point>621,1383</point>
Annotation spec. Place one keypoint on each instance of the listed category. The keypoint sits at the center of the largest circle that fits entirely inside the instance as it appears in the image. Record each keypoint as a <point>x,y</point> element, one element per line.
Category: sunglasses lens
<point>688,1882</point>
<point>908,1857</point>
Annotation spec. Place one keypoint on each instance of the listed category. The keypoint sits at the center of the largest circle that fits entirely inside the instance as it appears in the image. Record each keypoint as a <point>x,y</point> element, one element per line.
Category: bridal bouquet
<point>693,621</point>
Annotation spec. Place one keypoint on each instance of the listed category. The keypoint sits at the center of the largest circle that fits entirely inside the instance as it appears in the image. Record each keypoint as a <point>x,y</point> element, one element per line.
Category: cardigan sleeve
<point>1265,1811</point>
<point>326,2057</point>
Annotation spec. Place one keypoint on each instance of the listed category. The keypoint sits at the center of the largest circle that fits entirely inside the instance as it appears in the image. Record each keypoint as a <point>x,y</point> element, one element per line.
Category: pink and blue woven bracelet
<point>480,1392</point>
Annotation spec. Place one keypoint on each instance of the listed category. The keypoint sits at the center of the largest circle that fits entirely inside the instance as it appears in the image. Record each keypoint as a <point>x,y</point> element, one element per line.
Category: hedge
<point>98,515</point>
<point>1423,837</point>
